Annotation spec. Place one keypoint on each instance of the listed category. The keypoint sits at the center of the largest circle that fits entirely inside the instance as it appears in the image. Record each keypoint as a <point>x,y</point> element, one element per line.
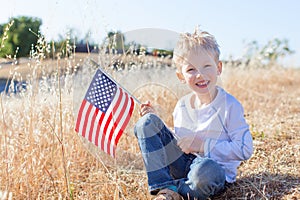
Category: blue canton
<point>101,92</point>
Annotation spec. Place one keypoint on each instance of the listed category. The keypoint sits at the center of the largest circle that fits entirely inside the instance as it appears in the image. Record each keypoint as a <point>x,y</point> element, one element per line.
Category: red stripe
<point>116,122</point>
<point>115,107</point>
<point>126,120</point>
<point>123,126</point>
<point>98,128</point>
<point>86,119</point>
<point>80,115</point>
<point>92,124</point>
<point>104,131</point>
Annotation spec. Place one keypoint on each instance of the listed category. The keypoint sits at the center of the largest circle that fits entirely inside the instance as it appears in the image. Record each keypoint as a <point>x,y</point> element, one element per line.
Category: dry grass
<point>44,158</point>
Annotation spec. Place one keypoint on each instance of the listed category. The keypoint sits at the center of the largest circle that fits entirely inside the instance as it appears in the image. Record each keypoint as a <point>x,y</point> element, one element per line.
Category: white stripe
<point>89,123</point>
<point>120,124</point>
<point>114,117</point>
<point>109,110</point>
<point>95,126</point>
<point>83,116</point>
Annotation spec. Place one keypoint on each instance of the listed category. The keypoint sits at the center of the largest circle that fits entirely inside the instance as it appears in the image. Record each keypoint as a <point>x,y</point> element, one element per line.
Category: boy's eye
<point>190,69</point>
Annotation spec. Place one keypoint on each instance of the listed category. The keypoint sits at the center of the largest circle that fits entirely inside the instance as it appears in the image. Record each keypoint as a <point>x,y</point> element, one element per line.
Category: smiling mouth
<point>202,84</point>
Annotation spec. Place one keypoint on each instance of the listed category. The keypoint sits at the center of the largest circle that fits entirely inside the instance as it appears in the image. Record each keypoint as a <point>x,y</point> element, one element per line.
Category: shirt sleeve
<point>239,146</point>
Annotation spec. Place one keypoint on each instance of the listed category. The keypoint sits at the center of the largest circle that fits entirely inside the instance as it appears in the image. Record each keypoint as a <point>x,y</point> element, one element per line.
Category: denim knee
<point>206,177</point>
<point>148,125</point>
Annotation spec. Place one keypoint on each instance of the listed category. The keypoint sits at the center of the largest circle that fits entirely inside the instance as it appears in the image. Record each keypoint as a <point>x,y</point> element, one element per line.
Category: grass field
<point>42,157</point>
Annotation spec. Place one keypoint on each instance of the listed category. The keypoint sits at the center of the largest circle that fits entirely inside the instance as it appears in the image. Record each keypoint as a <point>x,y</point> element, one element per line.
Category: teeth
<point>202,83</point>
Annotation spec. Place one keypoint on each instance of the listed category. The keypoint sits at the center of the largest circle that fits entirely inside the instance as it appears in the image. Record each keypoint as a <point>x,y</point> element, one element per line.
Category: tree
<point>21,36</point>
<point>274,50</point>
<point>116,41</point>
<point>268,54</point>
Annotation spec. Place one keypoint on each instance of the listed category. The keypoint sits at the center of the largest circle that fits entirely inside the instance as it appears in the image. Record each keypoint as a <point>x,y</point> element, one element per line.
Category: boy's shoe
<point>167,194</point>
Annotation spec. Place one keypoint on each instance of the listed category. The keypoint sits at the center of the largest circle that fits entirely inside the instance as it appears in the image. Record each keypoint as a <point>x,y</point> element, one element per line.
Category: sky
<point>234,23</point>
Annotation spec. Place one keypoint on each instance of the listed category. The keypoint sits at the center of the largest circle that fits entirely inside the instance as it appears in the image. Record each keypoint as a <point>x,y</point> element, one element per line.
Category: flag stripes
<point>103,123</point>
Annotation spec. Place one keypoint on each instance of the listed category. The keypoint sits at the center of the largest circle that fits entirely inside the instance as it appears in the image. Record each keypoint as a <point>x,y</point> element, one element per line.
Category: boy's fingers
<point>147,104</point>
<point>146,109</point>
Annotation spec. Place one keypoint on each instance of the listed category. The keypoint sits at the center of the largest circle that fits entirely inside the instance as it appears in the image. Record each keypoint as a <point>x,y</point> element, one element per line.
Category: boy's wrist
<point>198,144</point>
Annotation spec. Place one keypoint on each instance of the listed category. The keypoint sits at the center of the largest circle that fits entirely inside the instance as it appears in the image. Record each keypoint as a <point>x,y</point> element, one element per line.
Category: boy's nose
<point>199,74</point>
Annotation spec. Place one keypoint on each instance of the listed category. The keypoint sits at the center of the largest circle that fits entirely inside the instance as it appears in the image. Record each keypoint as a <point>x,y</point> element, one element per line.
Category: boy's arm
<point>240,143</point>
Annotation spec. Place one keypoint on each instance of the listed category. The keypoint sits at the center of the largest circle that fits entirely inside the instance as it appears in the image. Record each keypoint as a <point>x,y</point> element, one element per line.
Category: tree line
<point>21,36</point>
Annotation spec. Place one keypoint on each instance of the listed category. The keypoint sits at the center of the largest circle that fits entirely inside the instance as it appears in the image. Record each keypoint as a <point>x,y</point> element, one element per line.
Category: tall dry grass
<point>44,158</point>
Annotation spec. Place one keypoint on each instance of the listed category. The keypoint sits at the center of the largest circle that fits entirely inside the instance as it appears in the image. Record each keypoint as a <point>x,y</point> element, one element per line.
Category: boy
<point>211,136</point>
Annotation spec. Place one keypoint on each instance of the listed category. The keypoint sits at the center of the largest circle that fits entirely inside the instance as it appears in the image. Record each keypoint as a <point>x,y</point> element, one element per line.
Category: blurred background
<point>242,29</point>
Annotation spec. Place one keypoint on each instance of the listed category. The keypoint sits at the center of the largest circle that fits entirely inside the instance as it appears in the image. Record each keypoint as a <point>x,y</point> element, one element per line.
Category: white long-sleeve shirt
<point>222,127</point>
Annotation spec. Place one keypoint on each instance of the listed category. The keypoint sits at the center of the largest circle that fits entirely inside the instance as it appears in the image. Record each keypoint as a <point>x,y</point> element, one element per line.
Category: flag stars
<point>101,91</point>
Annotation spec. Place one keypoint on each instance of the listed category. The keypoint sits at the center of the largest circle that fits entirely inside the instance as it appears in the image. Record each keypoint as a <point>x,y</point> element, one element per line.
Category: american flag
<point>104,113</point>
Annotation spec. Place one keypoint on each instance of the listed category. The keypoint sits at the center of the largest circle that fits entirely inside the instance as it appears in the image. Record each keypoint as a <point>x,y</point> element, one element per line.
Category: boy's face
<point>200,72</point>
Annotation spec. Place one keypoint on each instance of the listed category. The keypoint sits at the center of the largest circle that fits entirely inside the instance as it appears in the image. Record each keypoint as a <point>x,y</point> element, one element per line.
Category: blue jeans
<point>166,165</point>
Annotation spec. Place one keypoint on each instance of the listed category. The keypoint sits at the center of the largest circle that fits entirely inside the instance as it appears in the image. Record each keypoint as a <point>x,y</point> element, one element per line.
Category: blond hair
<point>191,43</point>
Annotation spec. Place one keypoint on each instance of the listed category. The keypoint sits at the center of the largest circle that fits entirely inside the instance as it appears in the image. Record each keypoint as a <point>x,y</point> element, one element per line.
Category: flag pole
<point>98,66</point>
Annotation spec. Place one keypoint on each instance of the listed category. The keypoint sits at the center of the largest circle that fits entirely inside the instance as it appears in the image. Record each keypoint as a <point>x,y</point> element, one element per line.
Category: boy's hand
<point>191,143</point>
<point>146,108</point>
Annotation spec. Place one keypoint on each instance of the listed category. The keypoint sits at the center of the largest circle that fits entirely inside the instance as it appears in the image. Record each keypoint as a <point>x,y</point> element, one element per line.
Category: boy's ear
<point>220,67</point>
<point>180,76</point>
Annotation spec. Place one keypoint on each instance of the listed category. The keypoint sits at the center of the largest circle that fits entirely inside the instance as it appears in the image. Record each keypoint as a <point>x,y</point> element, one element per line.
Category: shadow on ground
<point>263,186</point>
